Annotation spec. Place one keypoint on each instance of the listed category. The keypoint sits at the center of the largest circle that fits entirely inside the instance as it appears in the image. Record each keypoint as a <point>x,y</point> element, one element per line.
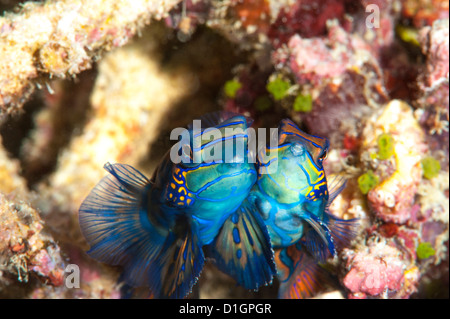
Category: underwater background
<point>84,82</point>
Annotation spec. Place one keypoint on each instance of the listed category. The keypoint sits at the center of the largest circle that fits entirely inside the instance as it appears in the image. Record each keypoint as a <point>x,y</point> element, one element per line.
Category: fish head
<point>214,173</point>
<point>293,171</point>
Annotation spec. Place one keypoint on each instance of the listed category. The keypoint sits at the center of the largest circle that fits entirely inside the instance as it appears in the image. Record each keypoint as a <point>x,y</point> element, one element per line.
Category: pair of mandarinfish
<point>254,221</point>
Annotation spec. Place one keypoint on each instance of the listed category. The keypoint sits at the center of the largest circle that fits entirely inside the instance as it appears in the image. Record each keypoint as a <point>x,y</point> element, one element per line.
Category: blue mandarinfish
<point>156,229</point>
<point>293,199</point>
<point>253,220</point>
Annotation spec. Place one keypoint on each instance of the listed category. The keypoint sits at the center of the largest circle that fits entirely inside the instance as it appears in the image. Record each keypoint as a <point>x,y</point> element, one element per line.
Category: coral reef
<point>10,179</point>
<point>433,100</point>
<point>26,249</point>
<point>103,81</point>
<point>71,35</point>
<point>380,270</point>
<point>125,102</point>
<point>399,174</point>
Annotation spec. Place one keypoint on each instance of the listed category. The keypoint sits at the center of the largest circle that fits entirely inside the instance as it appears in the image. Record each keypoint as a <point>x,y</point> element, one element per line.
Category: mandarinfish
<point>253,222</point>
<point>294,201</point>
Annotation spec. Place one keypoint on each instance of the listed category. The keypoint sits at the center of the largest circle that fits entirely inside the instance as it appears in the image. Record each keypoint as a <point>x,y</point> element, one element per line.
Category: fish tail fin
<point>299,274</point>
<point>130,292</point>
<point>174,271</point>
<point>114,219</point>
<point>110,216</point>
<point>242,248</point>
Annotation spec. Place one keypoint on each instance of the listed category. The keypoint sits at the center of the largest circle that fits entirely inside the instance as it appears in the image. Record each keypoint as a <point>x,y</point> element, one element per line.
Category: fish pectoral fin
<point>324,237</point>
<point>336,185</point>
<point>318,239</point>
<point>242,248</point>
<point>180,261</point>
<point>300,276</point>
<point>342,230</point>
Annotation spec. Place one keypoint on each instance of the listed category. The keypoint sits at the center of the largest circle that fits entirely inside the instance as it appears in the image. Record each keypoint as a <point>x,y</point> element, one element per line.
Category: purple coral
<point>434,84</point>
<point>47,264</point>
<point>305,18</point>
<point>342,74</point>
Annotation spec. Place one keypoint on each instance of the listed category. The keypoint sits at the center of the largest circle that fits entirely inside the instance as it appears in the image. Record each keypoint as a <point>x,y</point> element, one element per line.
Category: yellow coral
<point>10,180</point>
<point>393,197</point>
<point>399,121</point>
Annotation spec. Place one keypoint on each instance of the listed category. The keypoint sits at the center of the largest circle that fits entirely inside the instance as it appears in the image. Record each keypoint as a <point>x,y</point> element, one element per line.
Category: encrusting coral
<point>125,102</point>
<point>70,37</point>
<point>400,174</point>
<point>379,92</point>
<point>25,248</point>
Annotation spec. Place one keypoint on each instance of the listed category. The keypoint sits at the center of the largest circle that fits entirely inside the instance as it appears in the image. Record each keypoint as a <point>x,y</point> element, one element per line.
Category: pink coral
<point>435,45</point>
<point>408,240</point>
<point>434,84</point>
<point>340,73</point>
<point>317,59</point>
<point>379,270</point>
<point>395,205</point>
<point>306,18</point>
<point>312,60</point>
<point>47,264</point>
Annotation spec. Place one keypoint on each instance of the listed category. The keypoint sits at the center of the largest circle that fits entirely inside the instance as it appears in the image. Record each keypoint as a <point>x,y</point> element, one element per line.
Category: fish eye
<point>297,150</point>
<point>323,155</point>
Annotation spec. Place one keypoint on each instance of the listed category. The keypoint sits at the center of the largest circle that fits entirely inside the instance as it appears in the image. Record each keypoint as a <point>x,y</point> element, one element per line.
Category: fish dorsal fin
<point>288,128</point>
<point>227,141</point>
<point>215,119</point>
<point>290,132</point>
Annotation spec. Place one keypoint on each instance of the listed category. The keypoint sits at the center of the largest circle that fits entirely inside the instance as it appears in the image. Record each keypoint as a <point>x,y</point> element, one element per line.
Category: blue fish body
<point>207,192</point>
<point>297,187</point>
<point>292,197</point>
<point>158,229</point>
<point>253,221</point>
